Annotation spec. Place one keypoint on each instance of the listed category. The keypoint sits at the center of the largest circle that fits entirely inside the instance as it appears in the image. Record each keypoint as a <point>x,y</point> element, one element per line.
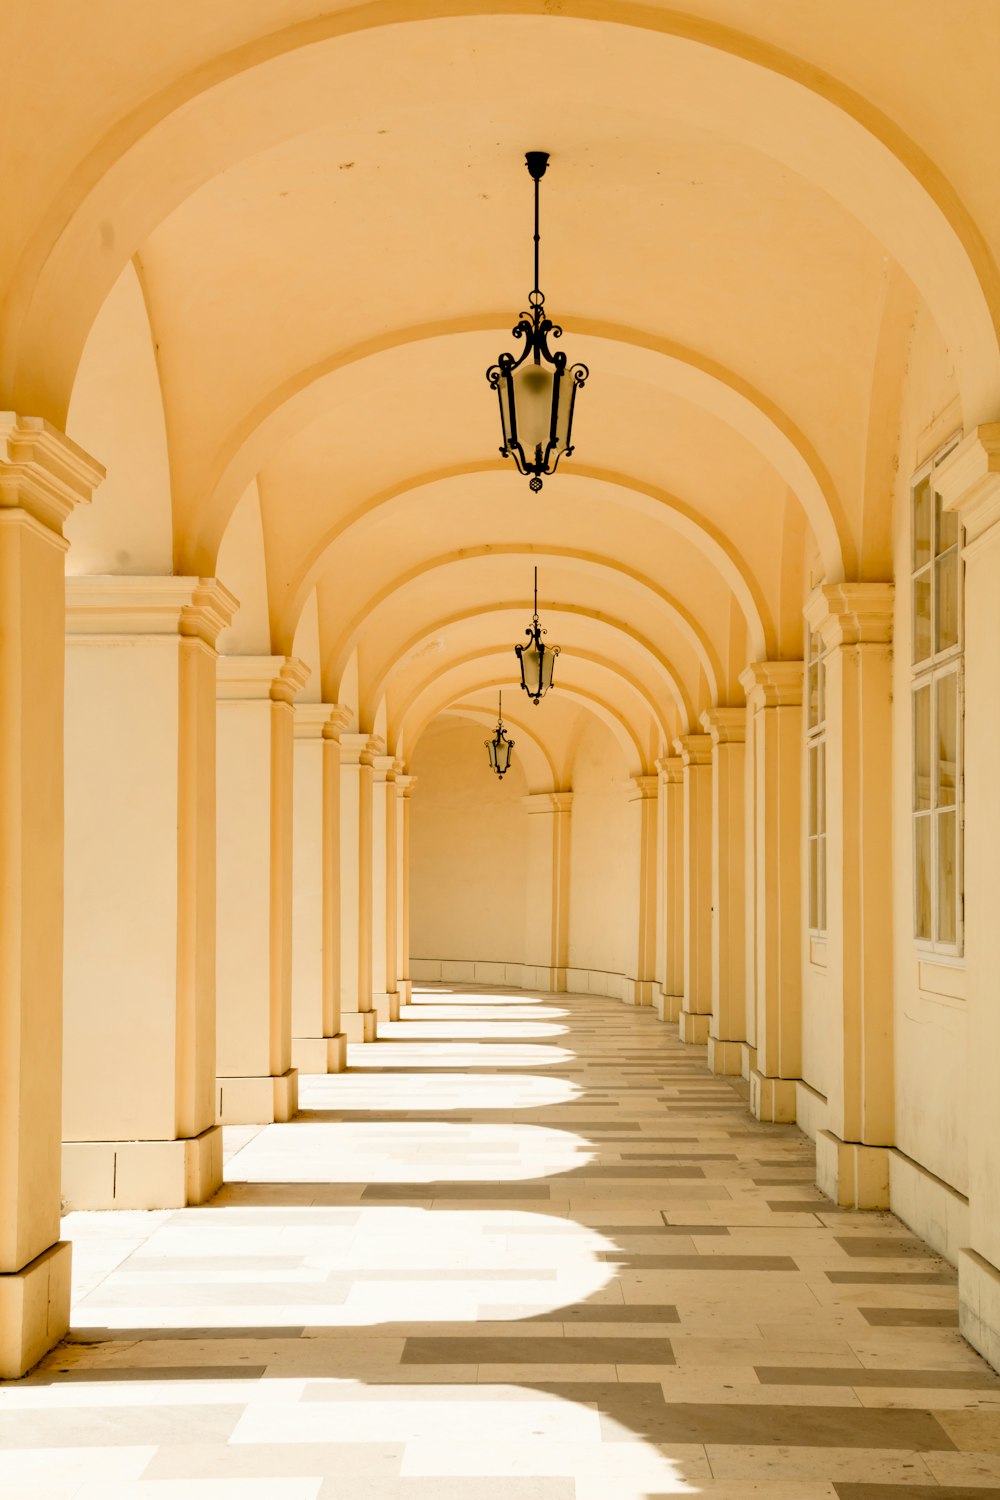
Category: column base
<point>142,1174</point>
<point>854,1176</point>
<point>638,991</point>
<point>979,1304</point>
<point>269,1100</point>
<point>748,1060</point>
<point>667,1007</point>
<point>386,1004</point>
<point>319,1054</point>
<point>34,1309</point>
<point>725,1058</point>
<point>772,1099</point>
<point>693,1028</point>
<point>360,1025</point>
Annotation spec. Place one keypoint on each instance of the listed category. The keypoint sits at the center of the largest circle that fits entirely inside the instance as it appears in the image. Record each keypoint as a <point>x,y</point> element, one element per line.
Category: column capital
<point>969,480</point>
<point>384,767</point>
<point>671,769</point>
<point>642,788</point>
<point>42,471</point>
<point>773,684</point>
<point>249,678</point>
<point>128,605</point>
<point>547,802</point>
<point>851,614</point>
<point>694,749</point>
<point>404,782</point>
<point>726,726</point>
<point>358,749</point>
<point>312,720</point>
<point>340,717</point>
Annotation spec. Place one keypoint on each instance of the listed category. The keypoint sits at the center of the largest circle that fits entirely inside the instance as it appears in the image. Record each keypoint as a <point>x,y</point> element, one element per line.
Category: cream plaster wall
<point>601,910</point>
<point>243,569</point>
<point>468,850</point>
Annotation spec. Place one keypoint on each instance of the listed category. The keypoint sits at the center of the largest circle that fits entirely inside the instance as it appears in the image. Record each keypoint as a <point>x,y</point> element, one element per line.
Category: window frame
<point>927,673</point>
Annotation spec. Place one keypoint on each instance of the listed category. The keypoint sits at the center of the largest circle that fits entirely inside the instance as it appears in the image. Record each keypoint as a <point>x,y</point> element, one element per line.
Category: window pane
<point>947,862</point>
<point>813,693</point>
<point>922,617</point>
<point>946,613</point>
<point>947,739</point>
<point>821,787</point>
<point>821,883</point>
<point>922,748</point>
<point>923,521</point>
<point>813,884</point>
<point>947,526</point>
<point>922,876</point>
<point>813,767</point>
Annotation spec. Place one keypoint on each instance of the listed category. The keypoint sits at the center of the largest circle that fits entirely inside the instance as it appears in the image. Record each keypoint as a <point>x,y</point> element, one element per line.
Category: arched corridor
<point>527,1247</point>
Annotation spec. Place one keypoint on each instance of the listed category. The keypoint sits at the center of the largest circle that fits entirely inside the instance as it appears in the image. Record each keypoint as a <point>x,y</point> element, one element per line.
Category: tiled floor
<point>525,1250</point>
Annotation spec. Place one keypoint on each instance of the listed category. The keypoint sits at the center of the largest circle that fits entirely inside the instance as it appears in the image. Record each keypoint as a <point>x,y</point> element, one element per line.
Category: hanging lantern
<point>537,391</point>
<point>536,660</point>
<point>499,747</point>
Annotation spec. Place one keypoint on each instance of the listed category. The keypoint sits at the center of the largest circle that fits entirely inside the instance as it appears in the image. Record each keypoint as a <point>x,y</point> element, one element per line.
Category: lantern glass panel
<point>547,664</point>
<point>504,392</point>
<point>533,403</point>
<point>564,416</point>
<point>531,669</point>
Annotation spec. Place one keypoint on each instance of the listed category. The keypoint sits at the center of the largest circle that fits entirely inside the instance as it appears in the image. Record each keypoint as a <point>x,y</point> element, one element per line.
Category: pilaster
<point>641,794</point>
<point>727,1032</point>
<point>854,621</point>
<point>42,477</point>
<point>385,996</point>
<point>139,1125</point>
<point>357,1014</point>
<point>547,893</point>
<point>695,751</point>
<point>969,484</point>
<point>774,703</point>
<point>669,996</point>
<point>404,790</point>
<point>318,1044</point>
<point>257,1083</point>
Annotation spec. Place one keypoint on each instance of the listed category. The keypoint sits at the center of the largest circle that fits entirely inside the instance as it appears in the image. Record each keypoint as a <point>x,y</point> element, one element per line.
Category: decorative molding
<point>773,684</point>
<point>671,769</point>
<point>340,717</point>
<point>694,749</point>
<point>851,614</point>
<point>42,471</point>
<point>727,726</point>
<point>311,720</point>
<point>642,788</point>
<point>547,802</point>
<point>251,678</point>
<point>358,749</point>
<point>103,605</point>
<point>969,480</point>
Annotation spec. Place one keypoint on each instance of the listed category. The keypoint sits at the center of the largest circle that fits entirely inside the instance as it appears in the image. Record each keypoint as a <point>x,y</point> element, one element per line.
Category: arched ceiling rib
<point>732,83</point>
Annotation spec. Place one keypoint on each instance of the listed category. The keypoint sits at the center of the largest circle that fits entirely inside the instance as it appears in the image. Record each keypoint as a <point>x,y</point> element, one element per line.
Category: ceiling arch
<point>535,759</point>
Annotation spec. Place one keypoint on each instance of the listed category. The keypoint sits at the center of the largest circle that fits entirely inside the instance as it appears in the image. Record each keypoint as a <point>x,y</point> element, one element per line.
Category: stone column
<point>727,1032</point>
<point>670,977</point>
<point>257,1083</point>
<point>139,1126</point>
<point>640,973</point>
<point>969,483</point>
<point>404,789</point>
<point>695,751</point>
<point>357,1014</point>
<point>318,1044</point>
<point>547,895</point>
<point>385,996</point>
<point>42,477</point>
<point>774,702</point>
<point>852,1156</point>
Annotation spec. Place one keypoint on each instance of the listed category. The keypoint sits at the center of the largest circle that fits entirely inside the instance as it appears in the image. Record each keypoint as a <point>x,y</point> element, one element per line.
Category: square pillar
<point>42,477</point>
<point>727,1032</point>
<point>547,895</point>
<point>358,1018</point>
<point>256,1081</point>
<point>695,751</point>
<point>385,996</point>
<point>404,789</point>
<point>774,722</point>
<point>852,1156</point>
<point>669,996</point>
<point>139,1127</point>
<point>318,1044</point>
<point>969,483</point>
<point>640,972</point>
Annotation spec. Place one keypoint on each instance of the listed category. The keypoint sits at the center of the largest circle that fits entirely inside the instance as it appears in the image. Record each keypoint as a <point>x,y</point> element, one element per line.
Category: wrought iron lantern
<point>499,747</point>
<point>537,661</point>
<point>537,391</point>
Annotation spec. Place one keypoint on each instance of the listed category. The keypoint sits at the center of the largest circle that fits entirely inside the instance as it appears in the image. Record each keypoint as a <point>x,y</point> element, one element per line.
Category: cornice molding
<point>671,769</point>
<point>642,788</point>
<point>727,726</point>
<point>969,480</point>
<point>102,605</point>
<point>253,678</point>
<point>547,802</point>
<point>851,614</point>
<point>773,684</point>
<point>42,471</point>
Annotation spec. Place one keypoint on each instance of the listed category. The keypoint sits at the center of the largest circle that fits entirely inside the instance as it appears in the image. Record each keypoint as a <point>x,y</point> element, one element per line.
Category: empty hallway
<point>526,1248</point>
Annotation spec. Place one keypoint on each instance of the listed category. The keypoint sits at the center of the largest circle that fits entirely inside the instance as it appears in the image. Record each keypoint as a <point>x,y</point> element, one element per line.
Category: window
<point>936,617</point>
<point>816,780</point>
